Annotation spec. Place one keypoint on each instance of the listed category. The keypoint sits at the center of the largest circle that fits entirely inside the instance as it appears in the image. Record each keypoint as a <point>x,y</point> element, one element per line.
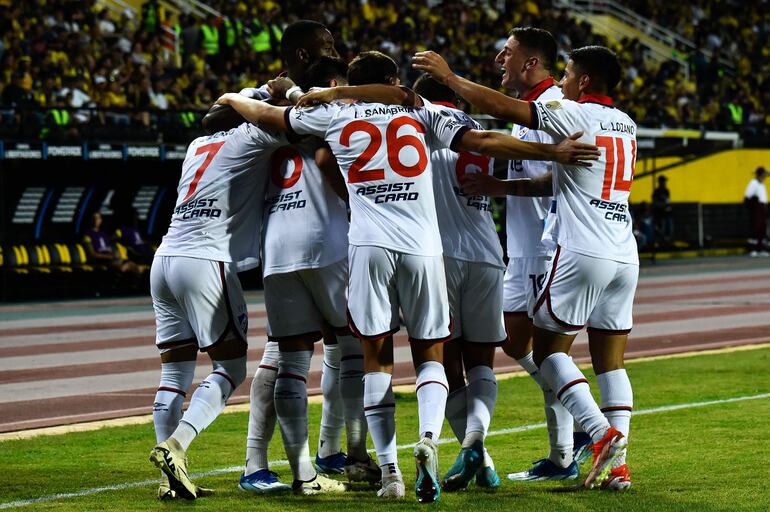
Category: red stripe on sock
<point>267,367</point>
<point>378,406</point>
<point>173,390</point>
<point>617,408</point>
<point>569,385</point>
<point>431,382</point>
<point>227,378</point>
<point>291,376</point>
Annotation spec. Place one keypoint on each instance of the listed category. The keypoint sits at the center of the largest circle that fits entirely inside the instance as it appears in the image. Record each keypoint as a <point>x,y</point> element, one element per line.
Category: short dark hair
<point>539,41</point>
<point>298,35</point>
<point>598,62</point>
<point>372,67</point>
<point>322,71</point>
<point>760,171</point>
<point>433,90</point>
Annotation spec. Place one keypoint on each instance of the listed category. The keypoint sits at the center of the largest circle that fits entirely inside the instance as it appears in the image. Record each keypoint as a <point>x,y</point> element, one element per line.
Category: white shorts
<point>382,280</point>
<point>583,291</point>
<point>196,300</point>
<point>475,293</point>
<point>524,279</point>
<point>298,302</point>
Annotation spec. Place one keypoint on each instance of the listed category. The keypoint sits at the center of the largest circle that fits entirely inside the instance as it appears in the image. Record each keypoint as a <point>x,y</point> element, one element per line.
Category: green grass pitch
<point>695,458</point>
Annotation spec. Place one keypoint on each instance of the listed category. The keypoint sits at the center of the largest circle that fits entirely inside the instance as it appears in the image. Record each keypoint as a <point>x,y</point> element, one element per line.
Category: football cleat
<point>465,467</point>
<point>165,492</point>
<point>581,447</point>
<point>170,457</point>
<point>392,487</point>
<point>426,486</point>
<point>619,479</point>
<point>606,451</point>
<point>486,476</point>
<point>545,469</point>
<point>318,485</point>
<point>358,471</point>
<point>334,464</point>
<point>262,481</point>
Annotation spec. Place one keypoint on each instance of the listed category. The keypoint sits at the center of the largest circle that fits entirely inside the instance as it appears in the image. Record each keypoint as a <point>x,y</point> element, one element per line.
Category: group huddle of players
<point>282,167</point>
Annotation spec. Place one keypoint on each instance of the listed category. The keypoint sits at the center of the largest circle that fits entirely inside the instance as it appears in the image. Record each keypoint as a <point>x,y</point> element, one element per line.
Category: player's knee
<point>233,369</point>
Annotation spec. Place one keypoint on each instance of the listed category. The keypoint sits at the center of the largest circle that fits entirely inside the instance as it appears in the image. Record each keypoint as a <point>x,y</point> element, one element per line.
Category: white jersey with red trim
<point>382,151</point>
<point>592,212</point>
<point>524,216</point>
<point>220,196</point>
<point>465,222</point>
<point>305,222</point>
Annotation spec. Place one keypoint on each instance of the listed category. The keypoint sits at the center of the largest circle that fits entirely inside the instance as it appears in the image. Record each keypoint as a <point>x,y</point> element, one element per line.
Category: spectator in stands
<point>662,211</point>
<point>130,236</point>
<point>755,199</point>
<point>644,227</point>
<point>101,251</point>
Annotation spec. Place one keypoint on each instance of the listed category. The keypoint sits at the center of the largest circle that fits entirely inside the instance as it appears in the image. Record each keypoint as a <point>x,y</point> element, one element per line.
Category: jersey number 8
<point>393,144</point>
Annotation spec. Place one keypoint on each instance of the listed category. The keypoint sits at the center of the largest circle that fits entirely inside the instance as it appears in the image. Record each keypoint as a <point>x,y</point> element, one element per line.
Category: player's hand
<point>317,96</point>
<point>278,87</point>
<point>571,152</point>
<point>481,184</point>
<point>433,64</point>
<point>226,98</point>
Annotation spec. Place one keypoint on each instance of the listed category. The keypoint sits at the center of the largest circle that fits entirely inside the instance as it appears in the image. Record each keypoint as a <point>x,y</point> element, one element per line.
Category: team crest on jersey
<point>553,105</point>
<point>523,131</point>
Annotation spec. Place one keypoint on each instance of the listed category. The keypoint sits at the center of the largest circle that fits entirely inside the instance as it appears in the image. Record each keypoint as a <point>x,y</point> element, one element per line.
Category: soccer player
<point>304,43</point>
<point>305,272</point>
<point>196,293</point>
<point>593,274</point>
<point>528,60</point>
<point>474,274</point>
<point>395,249</point>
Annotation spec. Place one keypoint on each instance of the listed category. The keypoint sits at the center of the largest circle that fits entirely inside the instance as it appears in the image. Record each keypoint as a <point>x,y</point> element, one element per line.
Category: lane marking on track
<point>443,440</point>
<point>317,398</point>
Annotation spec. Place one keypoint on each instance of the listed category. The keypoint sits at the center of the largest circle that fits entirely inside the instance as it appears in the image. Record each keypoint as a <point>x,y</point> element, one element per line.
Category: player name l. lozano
<point>609,126</point>
<point>389,192</point>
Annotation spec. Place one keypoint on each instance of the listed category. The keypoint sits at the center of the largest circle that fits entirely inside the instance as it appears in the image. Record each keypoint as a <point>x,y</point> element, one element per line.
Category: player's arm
<point>255,111</point>
<point>487,100</point>
<point>373,93</point>
<point>325,160</point>
<point>486,185</point>
<point>568,151</point>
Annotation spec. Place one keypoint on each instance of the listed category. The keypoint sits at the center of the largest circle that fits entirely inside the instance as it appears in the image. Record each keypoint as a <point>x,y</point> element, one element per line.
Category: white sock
<point>175,380</point>
<point>352,392</point>
<point>432,389</point>
<point>557,417</point>
<point>332,414</point>
<point>291,409</point>
<point>380,411</point>
<point>209,399</point>
<point>262,410</point>
<point>481,398</point>
<point>572,390</point>
<point>457,412</point>
<point>617,401</point>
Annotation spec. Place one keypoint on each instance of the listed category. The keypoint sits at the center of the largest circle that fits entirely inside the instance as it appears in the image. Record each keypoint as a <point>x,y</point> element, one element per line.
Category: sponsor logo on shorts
<point>389,192</point>
<point>286,202</point>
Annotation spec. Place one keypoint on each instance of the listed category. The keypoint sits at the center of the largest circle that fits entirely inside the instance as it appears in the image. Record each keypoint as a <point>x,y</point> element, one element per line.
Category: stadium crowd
<point>67,56</point>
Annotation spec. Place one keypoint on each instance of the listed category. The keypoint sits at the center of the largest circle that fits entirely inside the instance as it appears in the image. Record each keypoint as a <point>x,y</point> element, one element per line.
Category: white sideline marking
<point>443,440</point>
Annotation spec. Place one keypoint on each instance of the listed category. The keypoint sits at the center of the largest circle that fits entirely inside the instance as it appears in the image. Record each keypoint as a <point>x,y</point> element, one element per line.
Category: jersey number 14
<point>617,165</point>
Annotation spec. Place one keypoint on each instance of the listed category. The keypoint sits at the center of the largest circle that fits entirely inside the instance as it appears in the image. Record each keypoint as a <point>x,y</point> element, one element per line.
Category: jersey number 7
<point>393,144</point>
<point>211,150</point>
<point>615,168</point>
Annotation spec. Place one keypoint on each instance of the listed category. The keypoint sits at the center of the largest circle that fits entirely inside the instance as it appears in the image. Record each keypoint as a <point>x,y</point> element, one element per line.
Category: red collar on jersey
<point>539,89</point>
<point>445,104</point>
<point>596,98</point>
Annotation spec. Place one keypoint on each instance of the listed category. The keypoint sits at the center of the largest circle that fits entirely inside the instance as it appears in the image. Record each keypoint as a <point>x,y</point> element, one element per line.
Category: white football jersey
<point>592,212</point>
<point>256,93</point>
<point>305,222</point>
<point>383,153</point>
<point>220,196</point>
<point>465,222</point>
<point>524,216</point>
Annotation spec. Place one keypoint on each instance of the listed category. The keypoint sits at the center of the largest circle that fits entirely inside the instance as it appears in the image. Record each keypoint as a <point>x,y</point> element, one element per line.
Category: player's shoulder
<point>451,112</point>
